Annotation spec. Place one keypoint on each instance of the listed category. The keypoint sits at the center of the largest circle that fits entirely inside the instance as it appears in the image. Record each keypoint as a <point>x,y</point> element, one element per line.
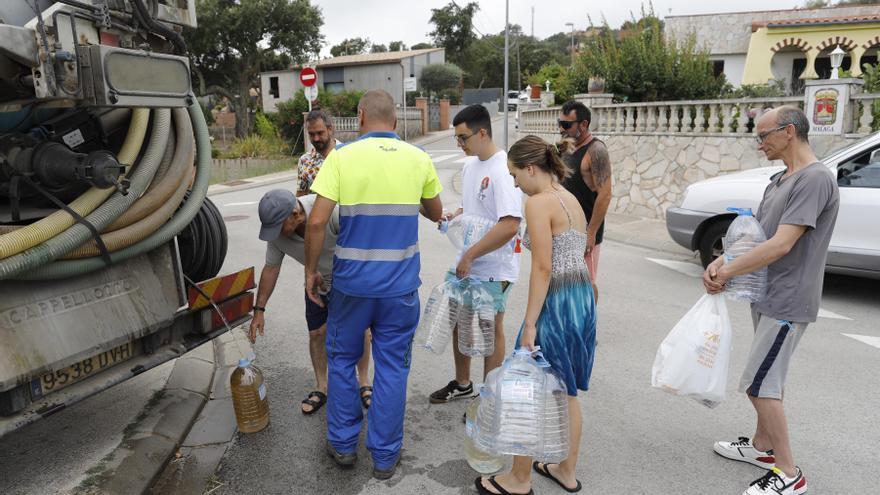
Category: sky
<point>383,21</point>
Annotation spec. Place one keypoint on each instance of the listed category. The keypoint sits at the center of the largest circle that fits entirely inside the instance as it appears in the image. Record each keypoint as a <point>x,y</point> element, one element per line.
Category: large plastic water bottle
<point>481,461</point>
<point>743,235</point>
<point>476,320</point>
<point>519,388</point>
<point>466,230</point>
<point>555,426</point>
<point>440,316</point>
<point>249,397</point>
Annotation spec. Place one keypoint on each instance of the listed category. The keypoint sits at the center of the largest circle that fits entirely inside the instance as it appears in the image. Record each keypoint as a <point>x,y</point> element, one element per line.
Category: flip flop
<point>365,397</point>
<point>316,404</point>
<point>543,471</point>
<point>501,491</point>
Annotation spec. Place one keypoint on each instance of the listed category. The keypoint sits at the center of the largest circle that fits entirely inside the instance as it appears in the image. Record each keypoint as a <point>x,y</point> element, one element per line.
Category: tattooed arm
<point>599,165</point>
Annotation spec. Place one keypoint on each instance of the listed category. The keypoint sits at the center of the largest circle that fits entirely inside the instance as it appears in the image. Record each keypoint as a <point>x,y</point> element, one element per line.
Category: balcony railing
<point>732,117</point>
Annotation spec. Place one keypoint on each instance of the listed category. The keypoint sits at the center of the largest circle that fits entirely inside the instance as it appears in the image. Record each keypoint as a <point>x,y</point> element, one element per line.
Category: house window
<point>273,86</point>
<point>334,87</point>
<point>718,67</point>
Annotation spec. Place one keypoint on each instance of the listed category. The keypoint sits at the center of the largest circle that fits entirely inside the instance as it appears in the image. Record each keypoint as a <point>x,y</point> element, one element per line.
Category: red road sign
<point>308,76</point>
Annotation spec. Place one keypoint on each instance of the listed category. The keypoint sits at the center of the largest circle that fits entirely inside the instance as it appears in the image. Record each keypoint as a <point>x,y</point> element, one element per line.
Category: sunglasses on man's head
<point>566,124</point>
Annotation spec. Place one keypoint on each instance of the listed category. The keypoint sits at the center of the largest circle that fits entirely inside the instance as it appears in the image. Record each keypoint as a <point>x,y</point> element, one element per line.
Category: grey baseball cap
<point>275,207</point>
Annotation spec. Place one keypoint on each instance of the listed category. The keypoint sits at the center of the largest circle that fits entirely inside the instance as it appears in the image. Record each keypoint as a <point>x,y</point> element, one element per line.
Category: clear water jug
<point>479,460</point>
<point>466,230</point>
<point>476,319</point>
<point>440,316</point>
<point>743,235</point>
<point>555,426</point>
<point>249,397</point>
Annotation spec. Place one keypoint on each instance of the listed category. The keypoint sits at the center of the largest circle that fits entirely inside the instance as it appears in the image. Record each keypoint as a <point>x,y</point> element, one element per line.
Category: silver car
<point>701,221</point>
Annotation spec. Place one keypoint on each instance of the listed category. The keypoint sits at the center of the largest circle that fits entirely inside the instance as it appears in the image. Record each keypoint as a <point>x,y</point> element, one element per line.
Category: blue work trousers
<point>393,322</point>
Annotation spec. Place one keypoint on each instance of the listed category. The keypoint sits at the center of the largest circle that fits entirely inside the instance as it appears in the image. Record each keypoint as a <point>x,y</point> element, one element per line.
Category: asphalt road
<point>636,439</point>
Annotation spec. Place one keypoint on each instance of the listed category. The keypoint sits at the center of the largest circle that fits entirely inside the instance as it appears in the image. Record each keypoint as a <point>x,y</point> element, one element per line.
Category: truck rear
<point>109,247</point>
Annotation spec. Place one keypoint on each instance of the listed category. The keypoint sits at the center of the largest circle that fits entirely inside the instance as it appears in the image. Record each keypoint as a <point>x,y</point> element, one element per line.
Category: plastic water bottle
<point>518,400</point>
<point>743,235</point>
<point>485,430</point>
<point>476,320</point>
<point>481,461</point>
<point>249,397</point>
<point>554,424</point>
<point>440,316</point>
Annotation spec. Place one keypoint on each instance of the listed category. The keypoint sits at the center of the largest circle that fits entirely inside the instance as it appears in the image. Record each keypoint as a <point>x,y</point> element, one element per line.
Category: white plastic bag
<point>693,360</point>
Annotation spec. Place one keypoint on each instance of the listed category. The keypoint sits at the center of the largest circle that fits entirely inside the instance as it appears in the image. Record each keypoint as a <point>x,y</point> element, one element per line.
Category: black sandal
<point>316,404</point>
<point>543,471</point>
<point>366,397</point>
<point>501,491</point>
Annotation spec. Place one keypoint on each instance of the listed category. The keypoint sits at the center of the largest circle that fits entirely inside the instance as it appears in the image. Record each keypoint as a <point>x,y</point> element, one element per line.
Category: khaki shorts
<point>772,348</point>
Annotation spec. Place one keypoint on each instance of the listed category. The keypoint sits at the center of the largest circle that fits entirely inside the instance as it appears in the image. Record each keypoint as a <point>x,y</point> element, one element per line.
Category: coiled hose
<point>155,207</point>
<point>46,228</point>
<point>161,190</point>
<point>74,236</point>
<point>64,269</point>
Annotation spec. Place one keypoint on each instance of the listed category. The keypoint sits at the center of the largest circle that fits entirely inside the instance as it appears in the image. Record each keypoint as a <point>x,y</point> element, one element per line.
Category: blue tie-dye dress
<point>567,322</point>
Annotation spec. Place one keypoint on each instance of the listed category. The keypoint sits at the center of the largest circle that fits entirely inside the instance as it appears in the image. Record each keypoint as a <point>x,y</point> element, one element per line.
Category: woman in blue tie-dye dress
<point>561,312</point>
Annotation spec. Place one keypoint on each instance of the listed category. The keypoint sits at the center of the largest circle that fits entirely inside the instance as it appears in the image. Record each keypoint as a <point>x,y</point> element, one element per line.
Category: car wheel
<point>711,243</point>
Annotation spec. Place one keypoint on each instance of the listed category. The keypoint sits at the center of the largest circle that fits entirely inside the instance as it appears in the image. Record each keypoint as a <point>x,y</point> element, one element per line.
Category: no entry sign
<point>308,76</point>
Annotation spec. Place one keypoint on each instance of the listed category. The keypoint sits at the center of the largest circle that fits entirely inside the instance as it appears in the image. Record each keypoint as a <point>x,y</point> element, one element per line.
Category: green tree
<point>350,46</point>
<point>378,48</point>
<point>235,39</point>
<point>396,46</point>
<point>560,80</point>
<point>453,28</point>
<point>644,66</point>
<point>421,46</point>
<point>437,77</point>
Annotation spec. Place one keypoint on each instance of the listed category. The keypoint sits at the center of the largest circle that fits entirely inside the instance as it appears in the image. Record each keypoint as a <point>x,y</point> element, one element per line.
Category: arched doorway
<point>788,65</point>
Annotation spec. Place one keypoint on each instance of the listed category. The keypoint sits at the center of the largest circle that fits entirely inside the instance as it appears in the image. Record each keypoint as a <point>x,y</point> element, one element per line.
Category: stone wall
<point>651,172</point>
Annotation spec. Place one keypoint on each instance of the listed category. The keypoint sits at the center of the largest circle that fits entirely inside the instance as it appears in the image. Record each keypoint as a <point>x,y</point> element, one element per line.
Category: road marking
<point>689,269</point>
<point>824,313</point>
<point>461,160</point>
<point>865,339</point>
<point>443,158</point>
<point>244,203</point>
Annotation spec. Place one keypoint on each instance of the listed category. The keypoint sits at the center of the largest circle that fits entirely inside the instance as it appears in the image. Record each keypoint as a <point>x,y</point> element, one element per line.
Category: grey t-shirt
<point>295,246</point>
<point>809,197</point>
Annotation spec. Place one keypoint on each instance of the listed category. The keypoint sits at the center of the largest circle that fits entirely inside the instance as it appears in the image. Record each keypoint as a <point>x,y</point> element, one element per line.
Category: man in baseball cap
<point>283,217</point>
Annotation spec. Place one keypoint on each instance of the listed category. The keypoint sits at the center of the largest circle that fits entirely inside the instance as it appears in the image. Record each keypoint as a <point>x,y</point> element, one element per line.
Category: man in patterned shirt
<point>319,125</point>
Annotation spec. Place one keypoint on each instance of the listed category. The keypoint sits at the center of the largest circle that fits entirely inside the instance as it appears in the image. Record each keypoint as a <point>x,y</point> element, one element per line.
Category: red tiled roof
<point>853,19</point>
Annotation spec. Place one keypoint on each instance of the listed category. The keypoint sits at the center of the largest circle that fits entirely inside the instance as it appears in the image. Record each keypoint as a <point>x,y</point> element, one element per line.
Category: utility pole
<point>533,21</point>
<point>506,66</point>
<point>572,41</point>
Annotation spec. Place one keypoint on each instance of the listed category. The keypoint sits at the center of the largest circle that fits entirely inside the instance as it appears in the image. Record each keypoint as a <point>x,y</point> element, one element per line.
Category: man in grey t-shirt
<point>283,217</point>
<point>797,213</point>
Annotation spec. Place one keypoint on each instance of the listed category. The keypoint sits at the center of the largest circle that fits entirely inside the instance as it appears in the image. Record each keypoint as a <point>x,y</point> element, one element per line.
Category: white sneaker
<point>742,450</point>
<point>776,483</point>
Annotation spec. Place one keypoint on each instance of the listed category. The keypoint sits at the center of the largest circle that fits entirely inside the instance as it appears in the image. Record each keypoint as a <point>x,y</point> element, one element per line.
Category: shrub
<point>560,81</point>
<point>264,127</point>
<point>288,118</point>
<point>640,64</point>
<point>254,146</point>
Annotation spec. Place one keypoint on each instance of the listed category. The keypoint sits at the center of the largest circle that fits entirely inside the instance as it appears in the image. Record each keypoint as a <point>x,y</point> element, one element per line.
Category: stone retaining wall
<point>651,172</point>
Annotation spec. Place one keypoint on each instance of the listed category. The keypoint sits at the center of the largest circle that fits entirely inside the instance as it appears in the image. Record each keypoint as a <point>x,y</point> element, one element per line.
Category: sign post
<point>409,84</point>
<point>308,77</point>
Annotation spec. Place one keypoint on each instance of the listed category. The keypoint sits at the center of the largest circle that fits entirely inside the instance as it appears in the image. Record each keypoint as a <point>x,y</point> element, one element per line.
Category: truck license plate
<point>56,380</point>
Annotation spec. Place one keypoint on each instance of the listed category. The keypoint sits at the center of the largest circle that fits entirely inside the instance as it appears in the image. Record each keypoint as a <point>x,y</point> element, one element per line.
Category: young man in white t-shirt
<point>488,191</point>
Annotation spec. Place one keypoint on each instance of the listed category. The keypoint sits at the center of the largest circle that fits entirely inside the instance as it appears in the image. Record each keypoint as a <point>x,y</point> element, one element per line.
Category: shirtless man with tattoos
<point>590,181</point>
